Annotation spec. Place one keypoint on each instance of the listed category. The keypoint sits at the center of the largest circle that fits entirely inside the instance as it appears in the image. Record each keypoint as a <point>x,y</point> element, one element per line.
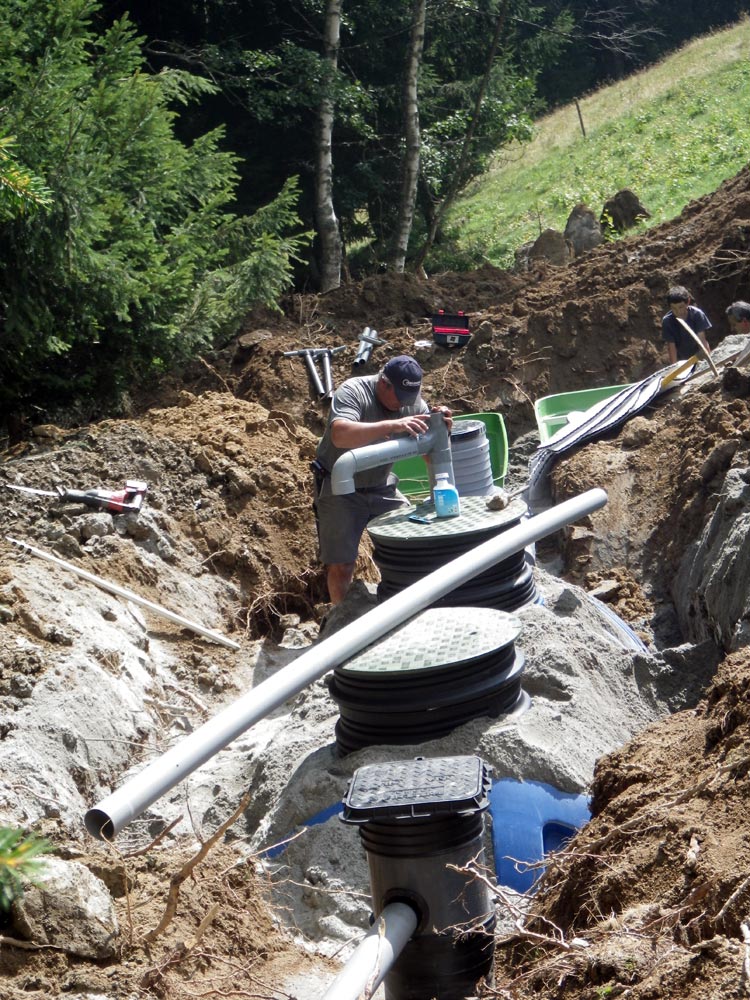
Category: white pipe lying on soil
<point>110,815</point>
<point>113,588</point>
<point>375,954</point>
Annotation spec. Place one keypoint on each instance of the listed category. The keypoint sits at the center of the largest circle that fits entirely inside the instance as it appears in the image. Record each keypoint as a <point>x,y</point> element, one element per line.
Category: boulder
<point>521,256</point>
<point>552,246</point>
<point>70,908</point>
<point>711,588</point>
<point>583,230</point>
<point>622,211</point>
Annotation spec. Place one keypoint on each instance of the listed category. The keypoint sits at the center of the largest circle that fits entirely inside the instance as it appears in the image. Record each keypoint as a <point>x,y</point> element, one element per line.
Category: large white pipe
<point>107,818</point>
<point>113,588</point>
<point>375,954</point>
<point>435,442</point>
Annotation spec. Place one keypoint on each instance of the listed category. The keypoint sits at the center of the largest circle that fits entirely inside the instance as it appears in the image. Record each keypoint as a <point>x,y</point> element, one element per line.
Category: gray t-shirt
<point>356,400</point>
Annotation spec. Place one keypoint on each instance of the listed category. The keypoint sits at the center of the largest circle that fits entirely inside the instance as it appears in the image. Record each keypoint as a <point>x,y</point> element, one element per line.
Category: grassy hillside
<point>671,133</point>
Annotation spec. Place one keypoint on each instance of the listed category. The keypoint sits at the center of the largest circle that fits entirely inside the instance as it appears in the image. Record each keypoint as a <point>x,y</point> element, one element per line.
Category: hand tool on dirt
<point>367,340</point>
<point>310,355</point>
<point>125,501</point>
<point>706,354</point>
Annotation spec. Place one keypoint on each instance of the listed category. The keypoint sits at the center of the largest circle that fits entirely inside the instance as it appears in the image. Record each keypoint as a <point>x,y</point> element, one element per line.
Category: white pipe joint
<point>375,954</point>
<point>434,442</point>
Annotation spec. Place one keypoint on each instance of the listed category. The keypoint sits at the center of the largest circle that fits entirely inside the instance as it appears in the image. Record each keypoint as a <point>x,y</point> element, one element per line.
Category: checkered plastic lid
<point>417,788</point>
<point>395,526</point>
<point>438,637</point>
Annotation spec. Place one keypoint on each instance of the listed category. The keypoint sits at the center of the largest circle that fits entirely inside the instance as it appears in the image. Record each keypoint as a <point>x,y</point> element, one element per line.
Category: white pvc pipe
<point>113,588</point>
<point>375,954</point>
<point>434,442</point>
<point>110,815</point>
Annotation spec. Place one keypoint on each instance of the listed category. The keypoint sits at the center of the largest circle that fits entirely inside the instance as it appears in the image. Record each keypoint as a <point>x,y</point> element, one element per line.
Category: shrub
<point>137,260</point>
<point>19,858</point>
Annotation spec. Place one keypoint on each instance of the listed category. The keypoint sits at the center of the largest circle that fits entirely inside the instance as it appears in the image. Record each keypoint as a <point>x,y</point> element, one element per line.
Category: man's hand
<point>448,414</point>
<point>351,434</point>
<point>414,425</point>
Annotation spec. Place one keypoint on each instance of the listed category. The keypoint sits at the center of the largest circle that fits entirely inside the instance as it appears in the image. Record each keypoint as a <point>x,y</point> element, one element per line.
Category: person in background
<point>738,316</point>
<point>364,410</point>
<point>680,345</point>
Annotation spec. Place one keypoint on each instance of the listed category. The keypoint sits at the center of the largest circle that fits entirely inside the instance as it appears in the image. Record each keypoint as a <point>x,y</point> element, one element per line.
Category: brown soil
<point>652,899</point>
<point>656,885</point>
<point>221,941</point>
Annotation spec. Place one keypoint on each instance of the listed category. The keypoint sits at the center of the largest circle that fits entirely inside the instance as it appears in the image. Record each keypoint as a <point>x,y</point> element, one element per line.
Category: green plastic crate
<point>554,412</point>
<point>412,472</point>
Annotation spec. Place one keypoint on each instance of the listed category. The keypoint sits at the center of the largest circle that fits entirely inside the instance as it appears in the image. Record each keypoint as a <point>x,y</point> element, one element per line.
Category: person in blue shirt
<point>680,345</point>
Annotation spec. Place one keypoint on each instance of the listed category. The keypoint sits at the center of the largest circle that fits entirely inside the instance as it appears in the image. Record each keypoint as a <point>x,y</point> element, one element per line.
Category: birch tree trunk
<point>325,216</point>
<point>412,137</point>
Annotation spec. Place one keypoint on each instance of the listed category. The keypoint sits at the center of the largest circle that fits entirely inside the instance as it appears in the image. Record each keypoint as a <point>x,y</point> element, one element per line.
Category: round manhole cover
<point>397,528</point>
<point>438,637</point>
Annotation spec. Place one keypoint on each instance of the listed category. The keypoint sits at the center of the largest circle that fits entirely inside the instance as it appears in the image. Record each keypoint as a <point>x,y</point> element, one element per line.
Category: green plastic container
<point>412,472</point>
<point>562,409</point>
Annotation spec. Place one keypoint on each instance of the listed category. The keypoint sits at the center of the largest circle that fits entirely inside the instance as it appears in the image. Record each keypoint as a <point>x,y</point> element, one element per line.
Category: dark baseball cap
<point>405,376</point>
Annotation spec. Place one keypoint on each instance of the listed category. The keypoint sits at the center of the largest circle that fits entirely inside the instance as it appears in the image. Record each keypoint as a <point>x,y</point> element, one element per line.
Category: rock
<point>247,344</point>
<point>296,638</point>
<point>21,686</point>
<point>736,383</point>
<point>521,256</point>
<point>583,230</point>
<point>637,432</point>
<point>359,600</point>
<point>710,590</point>
<point>68,546</point>
<point>607,590</point>
<point>241,483</point>
<point>498,501</point>
<point>482,335</point>
<point>69,908</point>
<point>552,246</point>
<point>622,211</point>
<point>48,432</point>
<point>96,526</point>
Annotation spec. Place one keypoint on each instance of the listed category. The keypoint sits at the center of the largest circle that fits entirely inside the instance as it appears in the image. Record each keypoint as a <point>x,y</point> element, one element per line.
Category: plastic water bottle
<point>445,496</point>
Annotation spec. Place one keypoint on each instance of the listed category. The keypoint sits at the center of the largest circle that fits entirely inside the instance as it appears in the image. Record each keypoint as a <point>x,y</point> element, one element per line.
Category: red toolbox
<point>450,330</point>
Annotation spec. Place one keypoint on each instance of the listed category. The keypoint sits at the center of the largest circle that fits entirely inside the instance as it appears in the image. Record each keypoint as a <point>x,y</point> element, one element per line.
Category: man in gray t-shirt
<point>364,410</point>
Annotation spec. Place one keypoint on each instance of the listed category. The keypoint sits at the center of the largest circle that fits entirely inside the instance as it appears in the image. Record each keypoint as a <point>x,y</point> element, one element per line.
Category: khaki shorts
<point>342,519</point>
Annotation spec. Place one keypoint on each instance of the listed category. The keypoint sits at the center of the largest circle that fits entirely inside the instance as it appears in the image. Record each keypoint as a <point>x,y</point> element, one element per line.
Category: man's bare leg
<point>340,576</point>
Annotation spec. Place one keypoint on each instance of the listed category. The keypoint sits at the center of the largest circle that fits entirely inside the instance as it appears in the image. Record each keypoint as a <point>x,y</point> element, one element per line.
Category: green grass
<point>671,133</point>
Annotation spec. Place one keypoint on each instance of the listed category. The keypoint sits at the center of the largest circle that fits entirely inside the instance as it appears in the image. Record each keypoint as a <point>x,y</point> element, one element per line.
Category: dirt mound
<point>228,485</point>
<point>654,884</point>
<point>654,891</point>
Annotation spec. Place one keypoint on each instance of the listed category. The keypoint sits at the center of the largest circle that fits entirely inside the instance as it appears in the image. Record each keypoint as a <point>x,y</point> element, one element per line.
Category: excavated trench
<point>92,689</point>
<point>591,686</point>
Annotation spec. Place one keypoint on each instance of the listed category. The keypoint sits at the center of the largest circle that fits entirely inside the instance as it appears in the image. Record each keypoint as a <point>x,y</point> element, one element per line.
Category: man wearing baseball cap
<point>364,410</point>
